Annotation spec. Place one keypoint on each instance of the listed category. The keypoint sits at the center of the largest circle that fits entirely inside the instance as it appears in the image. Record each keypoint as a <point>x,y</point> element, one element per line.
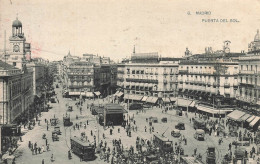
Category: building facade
<point>148,78</point>
<point>210,78</point>
<point>88,75</point>
<point>249,77</point>
<point>16,92</point>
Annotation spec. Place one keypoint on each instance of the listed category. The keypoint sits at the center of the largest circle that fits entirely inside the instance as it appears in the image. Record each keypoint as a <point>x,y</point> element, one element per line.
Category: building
<point>249,81</point>
<point>38,76</point>
<point>148,78</point>
<point>88,76</point>
<point>17,79</point>
<point>209,79</point>
<point>16,93</point>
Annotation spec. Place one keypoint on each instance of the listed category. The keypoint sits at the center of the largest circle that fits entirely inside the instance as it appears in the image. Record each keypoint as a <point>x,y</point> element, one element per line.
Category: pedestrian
<point>39,150</point>
<point>47,127</point>
<point>91,133</point>
<point>32,150</point>
<point>145,128</point>
<point>42,161</point>
<point>46,141</point>
<point>29,145</point>
<point>48,148</point>
<point>87,122</point>
<point>35,150</point>
<point>52,158</point>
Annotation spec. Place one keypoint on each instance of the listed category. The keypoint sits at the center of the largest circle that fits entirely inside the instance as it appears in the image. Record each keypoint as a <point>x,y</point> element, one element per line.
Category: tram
<point>82,148</point>
<point>163,143</point>
<point>199,124</point>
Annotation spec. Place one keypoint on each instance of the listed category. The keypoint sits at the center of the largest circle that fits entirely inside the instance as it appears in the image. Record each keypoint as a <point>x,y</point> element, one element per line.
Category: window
<point>14,63</point>
<point>241,80</point>
<point>247,67</point>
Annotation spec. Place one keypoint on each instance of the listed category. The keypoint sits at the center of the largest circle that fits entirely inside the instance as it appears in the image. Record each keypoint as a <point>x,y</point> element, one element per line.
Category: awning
<point>173,99</point>
<point>250,119</point>
<point>133,97</point>
<point>192,104</point>
<point>74,93</point>
<point>120,94</point>
<point>144,98</point>
<point>152,100</point>
<point>97,93</point>
<point>235,115</point>
<point>137,97</point>
<point>183,102</point>
<point>254,121</point>
<point>166,99</point>
<point>211,110</point>
<point>116,94</point>
<point>245,117</point>
<point>89,94</point>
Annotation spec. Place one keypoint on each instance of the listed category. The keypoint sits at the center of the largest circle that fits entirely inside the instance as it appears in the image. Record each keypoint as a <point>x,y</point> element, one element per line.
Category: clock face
<point>16,48</point>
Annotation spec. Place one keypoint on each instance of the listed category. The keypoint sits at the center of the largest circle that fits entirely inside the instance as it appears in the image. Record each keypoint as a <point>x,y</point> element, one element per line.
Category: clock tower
<point>17,45</point>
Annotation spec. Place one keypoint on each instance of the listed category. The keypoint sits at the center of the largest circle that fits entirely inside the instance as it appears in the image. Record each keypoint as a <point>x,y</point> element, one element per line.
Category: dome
<point>257,37</point>
<point>17,23</point>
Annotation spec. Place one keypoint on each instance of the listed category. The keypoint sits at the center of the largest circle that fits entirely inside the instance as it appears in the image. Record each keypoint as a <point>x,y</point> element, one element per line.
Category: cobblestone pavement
<point>60,148</point>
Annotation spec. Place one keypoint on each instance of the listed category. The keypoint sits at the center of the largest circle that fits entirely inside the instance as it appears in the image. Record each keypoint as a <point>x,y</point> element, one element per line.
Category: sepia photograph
<point>129,81</point>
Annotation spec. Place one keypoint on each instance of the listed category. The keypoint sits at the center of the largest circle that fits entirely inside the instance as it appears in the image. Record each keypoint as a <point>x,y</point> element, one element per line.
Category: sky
<point>112,28</point>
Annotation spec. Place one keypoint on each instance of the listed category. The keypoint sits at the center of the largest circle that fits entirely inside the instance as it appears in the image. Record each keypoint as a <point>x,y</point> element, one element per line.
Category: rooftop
<point>5,66</point>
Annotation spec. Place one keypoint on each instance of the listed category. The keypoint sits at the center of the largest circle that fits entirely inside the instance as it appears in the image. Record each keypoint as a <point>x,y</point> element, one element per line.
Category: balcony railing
<point>142,80</point>
<point>183,71</point>
<point>247,72</point>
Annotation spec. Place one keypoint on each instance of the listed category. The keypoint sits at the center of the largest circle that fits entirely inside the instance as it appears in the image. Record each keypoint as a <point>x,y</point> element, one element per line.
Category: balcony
<point>244,72</point>
<point>120,79</point>
<point>165,73</point>
<point>226,85</point>
<point>183,71</point>
<point>120,72</point>
<point>215,84</point>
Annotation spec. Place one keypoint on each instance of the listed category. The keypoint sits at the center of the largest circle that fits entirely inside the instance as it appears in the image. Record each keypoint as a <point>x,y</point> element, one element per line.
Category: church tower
<point>16,55</point>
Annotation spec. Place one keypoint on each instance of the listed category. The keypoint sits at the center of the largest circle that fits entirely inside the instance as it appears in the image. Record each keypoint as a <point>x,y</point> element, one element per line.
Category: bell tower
<point>17,45</point>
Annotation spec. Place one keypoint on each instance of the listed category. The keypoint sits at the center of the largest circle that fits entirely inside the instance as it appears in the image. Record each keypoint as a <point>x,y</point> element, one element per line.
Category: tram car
<point>82,148</point>
<point>66,121</point>
<point>163,143</point>
<point>55,136</point>
<point>211,155</point>
<point>199,124</point>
